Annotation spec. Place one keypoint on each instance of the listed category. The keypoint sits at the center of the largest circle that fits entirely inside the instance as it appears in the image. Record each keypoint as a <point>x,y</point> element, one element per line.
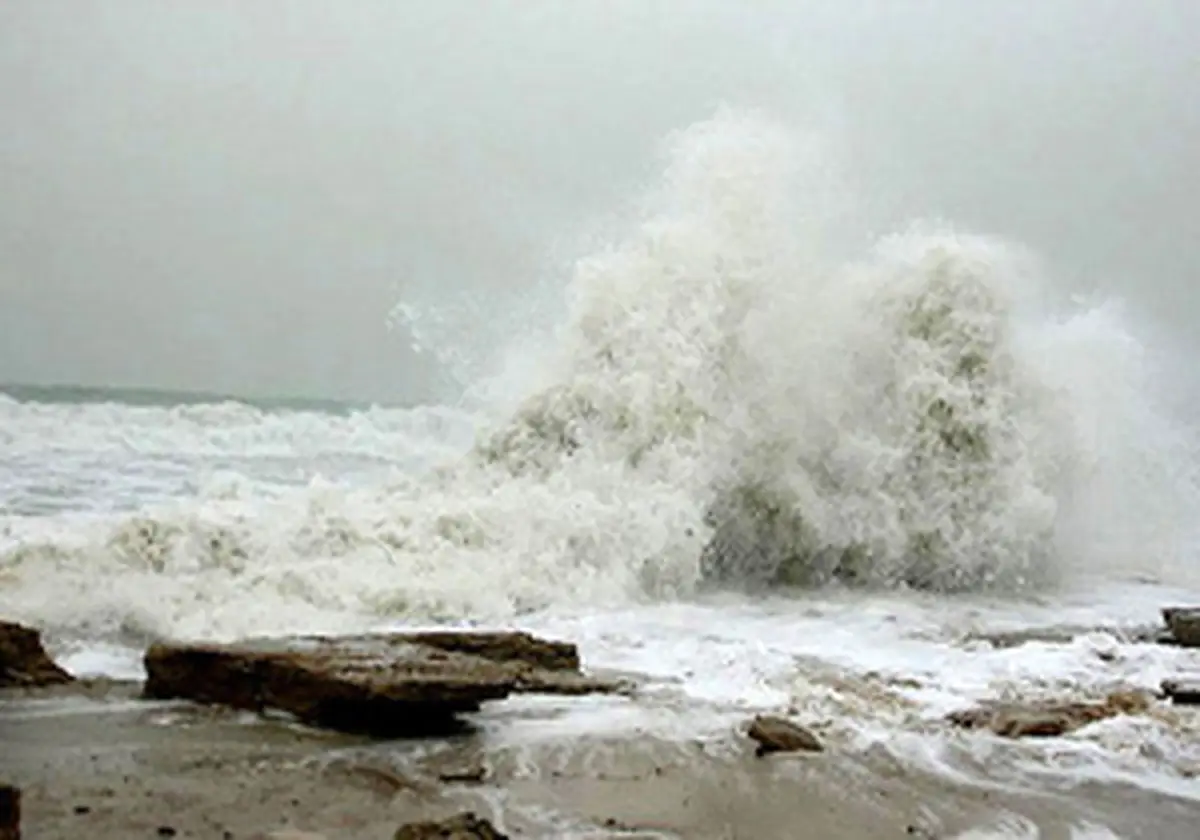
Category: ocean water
<point>762,459</point>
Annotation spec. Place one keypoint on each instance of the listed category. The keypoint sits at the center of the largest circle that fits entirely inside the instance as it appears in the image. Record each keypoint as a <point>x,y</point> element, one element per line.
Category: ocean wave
<point>724,403</point>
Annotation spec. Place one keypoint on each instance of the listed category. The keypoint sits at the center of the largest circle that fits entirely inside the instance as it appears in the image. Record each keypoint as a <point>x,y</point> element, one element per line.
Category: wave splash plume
<point>918,417</point>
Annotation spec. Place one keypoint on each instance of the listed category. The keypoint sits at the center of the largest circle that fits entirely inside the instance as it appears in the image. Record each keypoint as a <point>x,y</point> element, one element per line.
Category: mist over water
<point>231,198</point>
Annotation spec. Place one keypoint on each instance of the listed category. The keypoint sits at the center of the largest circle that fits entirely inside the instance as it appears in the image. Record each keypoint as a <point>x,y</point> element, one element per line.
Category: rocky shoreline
<point>386,689</point>
<point>395,685</point>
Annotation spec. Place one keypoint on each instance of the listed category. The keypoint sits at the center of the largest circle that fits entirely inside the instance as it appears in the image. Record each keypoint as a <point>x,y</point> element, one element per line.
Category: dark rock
<point>10,812</point>
<point>1184,624</point>
<point>465,826</point>
<point>23,660</point>
<point>1047,719</point>
<point>386,685</point>
<point>776,734</point>
<point>1185,692</point>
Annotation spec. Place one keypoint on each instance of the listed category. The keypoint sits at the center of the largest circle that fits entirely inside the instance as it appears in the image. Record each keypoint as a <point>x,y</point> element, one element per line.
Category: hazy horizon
<point>230,197</point>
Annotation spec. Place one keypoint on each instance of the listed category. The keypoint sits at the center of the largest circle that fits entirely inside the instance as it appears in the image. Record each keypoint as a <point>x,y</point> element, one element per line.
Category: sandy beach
<point>94,761</point>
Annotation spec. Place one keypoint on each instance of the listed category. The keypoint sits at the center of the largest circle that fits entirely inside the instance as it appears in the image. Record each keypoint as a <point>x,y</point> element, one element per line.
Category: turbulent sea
<point>758,468</point>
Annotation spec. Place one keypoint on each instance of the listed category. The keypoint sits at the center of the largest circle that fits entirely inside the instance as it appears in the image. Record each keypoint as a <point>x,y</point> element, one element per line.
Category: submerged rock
<point>465,826</point>
<point>1047,719</point>
<point>23,660</point>
<point>1184,625</point>
<point>386,685</point>
<point>10,812</point>
<point>776,734</point>
<point>1063,634</point>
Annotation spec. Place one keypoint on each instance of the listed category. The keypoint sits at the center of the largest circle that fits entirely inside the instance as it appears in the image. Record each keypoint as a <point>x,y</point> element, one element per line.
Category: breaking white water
<point>740,392</point>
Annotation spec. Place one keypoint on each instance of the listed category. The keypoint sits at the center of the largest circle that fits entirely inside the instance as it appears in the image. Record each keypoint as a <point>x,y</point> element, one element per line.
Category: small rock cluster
<point>1050,719</point>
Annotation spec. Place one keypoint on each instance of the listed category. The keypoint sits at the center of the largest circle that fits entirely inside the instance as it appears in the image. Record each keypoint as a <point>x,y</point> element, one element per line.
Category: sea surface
<point>761,475</point>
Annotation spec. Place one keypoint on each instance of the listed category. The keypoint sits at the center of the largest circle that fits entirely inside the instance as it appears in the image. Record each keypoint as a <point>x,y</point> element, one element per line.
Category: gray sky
<point>230,195</point>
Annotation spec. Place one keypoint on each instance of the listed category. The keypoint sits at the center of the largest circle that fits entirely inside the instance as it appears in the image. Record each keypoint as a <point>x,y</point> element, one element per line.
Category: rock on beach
<point>386,685</point>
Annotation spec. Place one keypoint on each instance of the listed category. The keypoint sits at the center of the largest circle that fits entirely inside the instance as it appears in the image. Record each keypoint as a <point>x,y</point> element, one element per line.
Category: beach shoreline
<point>94,760</point>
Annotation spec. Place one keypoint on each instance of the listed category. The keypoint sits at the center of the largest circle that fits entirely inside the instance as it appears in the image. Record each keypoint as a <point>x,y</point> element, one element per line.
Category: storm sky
<point>228,195</point>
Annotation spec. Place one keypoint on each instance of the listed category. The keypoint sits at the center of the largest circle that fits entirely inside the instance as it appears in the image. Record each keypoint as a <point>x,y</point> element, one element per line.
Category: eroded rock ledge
<point>388,685</point>
<point>23,660</point>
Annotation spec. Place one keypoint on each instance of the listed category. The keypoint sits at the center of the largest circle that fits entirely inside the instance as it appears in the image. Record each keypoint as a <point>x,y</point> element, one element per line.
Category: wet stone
<point>776,734</point>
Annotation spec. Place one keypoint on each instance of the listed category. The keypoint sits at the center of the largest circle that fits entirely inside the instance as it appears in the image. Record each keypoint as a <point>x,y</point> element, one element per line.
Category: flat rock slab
<point>1184,692</point>
<point>23,660</point>
<point>465,826</point>
<point>388,685</point>
<point>1047,720</point>
<point>1184,625</point>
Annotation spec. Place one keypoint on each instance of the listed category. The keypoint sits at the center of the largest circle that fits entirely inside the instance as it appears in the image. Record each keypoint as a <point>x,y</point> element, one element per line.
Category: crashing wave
<point>934,479</point>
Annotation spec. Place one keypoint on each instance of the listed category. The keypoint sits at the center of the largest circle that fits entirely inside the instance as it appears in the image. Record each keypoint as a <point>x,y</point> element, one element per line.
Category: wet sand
<point>95,762</point>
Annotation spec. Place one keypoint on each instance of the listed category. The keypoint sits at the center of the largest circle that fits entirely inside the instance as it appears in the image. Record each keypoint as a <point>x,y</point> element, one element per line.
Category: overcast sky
<point>230,195</point>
